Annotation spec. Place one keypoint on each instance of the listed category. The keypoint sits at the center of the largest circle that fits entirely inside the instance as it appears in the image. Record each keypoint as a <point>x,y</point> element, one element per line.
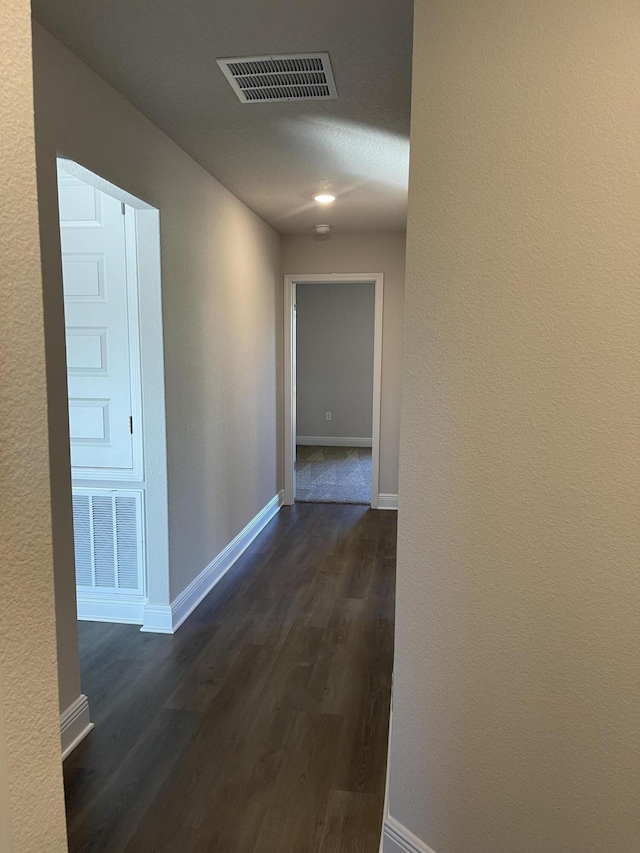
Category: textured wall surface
<point>517,677</point>
<point>31,802</point>
<point>383,252</point>
<point>335,324</point>
<point>220,271</point>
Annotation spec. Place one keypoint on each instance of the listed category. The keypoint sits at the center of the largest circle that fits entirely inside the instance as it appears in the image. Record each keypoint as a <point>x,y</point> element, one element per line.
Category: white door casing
<point>97,320</point>
<point>294,383</point>
<point>101,252</point>
<point>290,281</point>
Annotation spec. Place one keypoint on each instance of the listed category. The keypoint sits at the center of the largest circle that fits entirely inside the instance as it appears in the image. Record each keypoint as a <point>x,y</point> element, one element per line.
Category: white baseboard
<point>127,609</point>
<point>157,619</point>
<point>385,808</point>
<point>168,618</point>
<point>75,725</point>
<point>387,502</point>
<point>398,839</point>
<point>332,441</point>
<point>390,846</point>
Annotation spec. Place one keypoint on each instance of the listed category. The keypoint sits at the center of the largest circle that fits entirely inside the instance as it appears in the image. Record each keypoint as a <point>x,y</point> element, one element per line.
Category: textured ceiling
<point>161,56</point>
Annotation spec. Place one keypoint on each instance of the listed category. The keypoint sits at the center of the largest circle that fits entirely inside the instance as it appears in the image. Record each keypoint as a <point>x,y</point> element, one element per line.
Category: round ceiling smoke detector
<point>322,229</point>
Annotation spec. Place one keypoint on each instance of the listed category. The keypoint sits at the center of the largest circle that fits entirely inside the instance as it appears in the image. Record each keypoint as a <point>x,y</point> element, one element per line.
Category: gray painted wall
<point>335,326</point>
<point>220,285</point>
<point>357,253</point>
<point>516,685</point>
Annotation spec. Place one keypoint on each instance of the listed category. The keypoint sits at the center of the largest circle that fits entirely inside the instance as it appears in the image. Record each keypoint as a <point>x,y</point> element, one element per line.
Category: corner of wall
<point>75,725</point>
<point>396,838</point>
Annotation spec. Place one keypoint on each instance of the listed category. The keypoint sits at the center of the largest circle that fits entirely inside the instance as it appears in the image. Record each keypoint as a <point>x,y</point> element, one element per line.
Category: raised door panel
<point>94,270</point>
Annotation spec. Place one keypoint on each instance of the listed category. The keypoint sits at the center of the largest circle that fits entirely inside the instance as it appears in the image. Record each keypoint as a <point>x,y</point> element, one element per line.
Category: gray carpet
<point>333,475</point>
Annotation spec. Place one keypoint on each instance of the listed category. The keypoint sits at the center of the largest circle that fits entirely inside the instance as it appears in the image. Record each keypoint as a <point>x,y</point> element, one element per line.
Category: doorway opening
<point>333,373</point>
<point>110,252</point>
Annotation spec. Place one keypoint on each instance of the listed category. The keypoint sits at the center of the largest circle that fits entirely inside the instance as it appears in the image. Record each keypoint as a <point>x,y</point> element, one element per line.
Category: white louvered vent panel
<point>82,539</point>
<point>127,568</point>
<point>103,541</point>
<point>108,540</point>
<point>295,77</point>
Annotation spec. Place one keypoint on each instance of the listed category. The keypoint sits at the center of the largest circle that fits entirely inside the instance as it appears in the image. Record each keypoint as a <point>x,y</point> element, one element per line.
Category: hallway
<point>339,475</point>
<point>261,726</point>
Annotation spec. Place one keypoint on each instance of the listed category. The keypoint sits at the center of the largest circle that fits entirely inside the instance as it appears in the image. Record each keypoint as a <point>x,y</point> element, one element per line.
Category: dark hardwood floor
<point>261,726</point>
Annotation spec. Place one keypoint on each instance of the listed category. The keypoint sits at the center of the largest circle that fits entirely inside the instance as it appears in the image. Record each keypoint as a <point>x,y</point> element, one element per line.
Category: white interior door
<point>94,266</point>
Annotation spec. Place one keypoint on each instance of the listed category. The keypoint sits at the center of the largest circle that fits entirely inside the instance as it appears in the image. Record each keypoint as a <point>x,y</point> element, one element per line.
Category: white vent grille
<point>107,528</point>
<point>296,77</point>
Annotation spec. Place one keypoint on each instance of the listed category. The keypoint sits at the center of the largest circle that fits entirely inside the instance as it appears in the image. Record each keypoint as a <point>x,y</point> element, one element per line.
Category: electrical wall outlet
<point>328,416</point>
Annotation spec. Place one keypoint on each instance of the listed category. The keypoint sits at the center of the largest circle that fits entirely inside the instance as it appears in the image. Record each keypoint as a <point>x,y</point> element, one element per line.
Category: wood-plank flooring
<point>261,725</point>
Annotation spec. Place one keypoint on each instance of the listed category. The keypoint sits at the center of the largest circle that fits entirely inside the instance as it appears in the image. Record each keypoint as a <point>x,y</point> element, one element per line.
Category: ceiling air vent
<point>295,77</point>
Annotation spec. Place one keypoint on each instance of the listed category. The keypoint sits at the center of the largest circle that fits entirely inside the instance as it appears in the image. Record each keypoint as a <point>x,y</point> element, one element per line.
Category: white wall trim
<point>289,338</point>
<point>157,619</point>
<point>128,610</point>
<point>398,838</point>
<point>387,502</point>
<point>332,441</point>
<point>75,725</point>
<point>191,597</point>
<point>385,808</point>
<point>168,618</point>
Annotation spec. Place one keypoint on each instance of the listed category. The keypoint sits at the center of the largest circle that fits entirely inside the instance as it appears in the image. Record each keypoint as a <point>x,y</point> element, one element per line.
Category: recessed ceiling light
<point>324,198</point>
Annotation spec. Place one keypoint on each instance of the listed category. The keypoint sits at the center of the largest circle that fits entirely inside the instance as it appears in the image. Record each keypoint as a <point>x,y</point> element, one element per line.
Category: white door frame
<point>142,230</point>
<point>290,282</point>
